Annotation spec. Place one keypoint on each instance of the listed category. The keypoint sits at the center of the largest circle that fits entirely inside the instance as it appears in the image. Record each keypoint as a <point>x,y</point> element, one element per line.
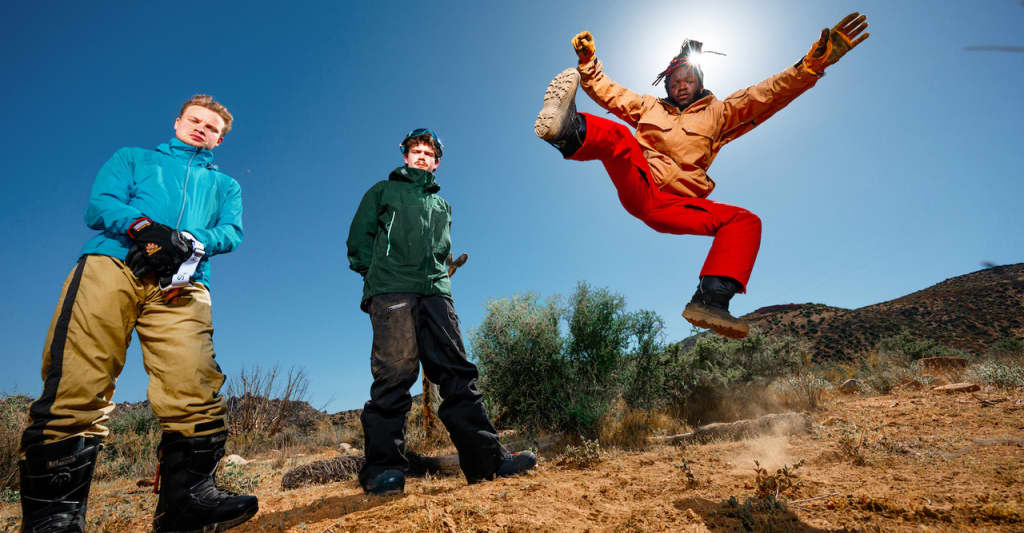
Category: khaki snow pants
<point>100,304</point>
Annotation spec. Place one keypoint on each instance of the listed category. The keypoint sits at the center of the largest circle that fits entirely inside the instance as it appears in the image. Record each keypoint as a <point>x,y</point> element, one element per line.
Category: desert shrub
<point>628,428</point>
<point>519,351</point>
<point>584,455</point>
<point>13,420</point>
<point>1003,373</point>
<point>233,477</point>
<point>802,390</point>
<point>128,455</point>
<point>905,345</point>
<point>645,383</point>
<point>133,418</point>
<point>1007,348</point>
<point>715,377</point>
<point>539,379</point>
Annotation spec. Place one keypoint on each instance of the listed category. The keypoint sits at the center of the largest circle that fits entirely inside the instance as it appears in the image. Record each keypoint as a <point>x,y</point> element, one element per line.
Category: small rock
<point>958,387</point>
<point>345,447</point>
<point>235,459</point>
<point>849,386</point>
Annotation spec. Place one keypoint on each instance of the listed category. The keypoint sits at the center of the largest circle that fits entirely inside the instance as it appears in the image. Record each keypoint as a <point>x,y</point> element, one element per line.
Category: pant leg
<point>84,352</point>
<point>177,351</point>
<point>394,362</point>
<point>462,409</point>
<point>737,232</point>
<point>623,158</point>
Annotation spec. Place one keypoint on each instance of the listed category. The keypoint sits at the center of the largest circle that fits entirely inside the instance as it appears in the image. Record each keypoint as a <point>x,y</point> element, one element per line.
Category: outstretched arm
<point>622,102</point>
<point>745,109</point>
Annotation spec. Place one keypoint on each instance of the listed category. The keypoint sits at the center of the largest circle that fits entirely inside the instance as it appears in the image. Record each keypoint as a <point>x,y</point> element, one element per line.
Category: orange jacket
<point>680,145</point>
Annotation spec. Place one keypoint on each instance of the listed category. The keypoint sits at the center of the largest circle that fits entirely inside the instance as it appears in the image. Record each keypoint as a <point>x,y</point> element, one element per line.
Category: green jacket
<point>401,236</point>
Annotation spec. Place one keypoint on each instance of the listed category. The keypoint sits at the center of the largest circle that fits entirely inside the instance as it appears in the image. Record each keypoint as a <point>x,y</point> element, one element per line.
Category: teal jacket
<point>176,184</point>
<point>400,237</point>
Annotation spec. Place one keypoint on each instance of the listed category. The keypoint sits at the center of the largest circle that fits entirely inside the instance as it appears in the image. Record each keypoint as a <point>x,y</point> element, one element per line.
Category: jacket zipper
<point>429,258</point>
<point>184,189</point>
<point>390,225</point>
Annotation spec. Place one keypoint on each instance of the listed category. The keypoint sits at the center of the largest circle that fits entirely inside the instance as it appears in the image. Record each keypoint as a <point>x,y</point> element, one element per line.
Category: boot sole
<point>214,528</point>
<point>702,317</point>
<point>559,97</point>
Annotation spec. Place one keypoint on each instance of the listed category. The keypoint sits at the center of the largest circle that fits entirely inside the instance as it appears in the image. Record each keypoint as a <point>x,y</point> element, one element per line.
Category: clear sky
<point>901,168</point>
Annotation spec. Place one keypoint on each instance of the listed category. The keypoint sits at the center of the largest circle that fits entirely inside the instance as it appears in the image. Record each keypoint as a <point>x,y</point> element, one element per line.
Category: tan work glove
<point>583,44</point>
<point>834,43</point>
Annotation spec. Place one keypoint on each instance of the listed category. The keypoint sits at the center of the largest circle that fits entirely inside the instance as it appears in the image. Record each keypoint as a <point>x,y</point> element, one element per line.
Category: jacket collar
<point>179,150</point>
<point>705,98</point>
<point>414,175</point>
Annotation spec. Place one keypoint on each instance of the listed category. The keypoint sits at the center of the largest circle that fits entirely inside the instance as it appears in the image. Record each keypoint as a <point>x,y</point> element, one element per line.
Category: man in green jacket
<point>399,242</point>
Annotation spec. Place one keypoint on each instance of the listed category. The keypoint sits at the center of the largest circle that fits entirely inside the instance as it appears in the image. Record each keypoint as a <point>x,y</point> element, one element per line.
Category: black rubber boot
<point>558,123</point>
<point>55,481</point>
<point>709,307</point>
<point>190,500</point>
<point>517,463</point>
<point>391,481</point>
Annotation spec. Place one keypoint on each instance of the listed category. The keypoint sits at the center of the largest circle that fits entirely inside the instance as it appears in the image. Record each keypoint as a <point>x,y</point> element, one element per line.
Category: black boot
<point>55,481</point>
<point>190,500</point>
<point>709,307</point>
<point>558,123</point>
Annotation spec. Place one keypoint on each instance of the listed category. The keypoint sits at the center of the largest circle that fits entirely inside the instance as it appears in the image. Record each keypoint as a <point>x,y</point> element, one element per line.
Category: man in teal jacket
<point>161,214</point>
<point>399,242</point>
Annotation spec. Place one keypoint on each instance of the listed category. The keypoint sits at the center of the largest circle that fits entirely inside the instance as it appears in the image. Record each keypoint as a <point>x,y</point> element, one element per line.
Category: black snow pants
<point>409,329</point>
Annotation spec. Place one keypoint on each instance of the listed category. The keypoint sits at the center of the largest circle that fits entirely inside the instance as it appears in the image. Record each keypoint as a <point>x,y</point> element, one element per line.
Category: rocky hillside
<point>968,312</point>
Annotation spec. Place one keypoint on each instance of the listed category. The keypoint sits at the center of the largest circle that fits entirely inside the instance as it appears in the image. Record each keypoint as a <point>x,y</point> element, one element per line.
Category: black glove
<point>157,249</point>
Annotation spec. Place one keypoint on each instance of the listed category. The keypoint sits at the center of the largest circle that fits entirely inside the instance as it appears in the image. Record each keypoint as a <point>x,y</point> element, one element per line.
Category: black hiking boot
<point>190,500</point>
<point>391,481</point>
<point>558,123</point>
<point>709,307</point>
<point>55,481</point>
<point>517,463</point>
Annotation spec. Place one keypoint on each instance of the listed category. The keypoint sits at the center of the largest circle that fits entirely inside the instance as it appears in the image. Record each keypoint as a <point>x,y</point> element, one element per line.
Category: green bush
<point>133,418</point>
<point>905,345</point>
<point>541,379</point>
<point>715,377</point>
<point>999,373</point>
<point>1007,348</point>
<point>13,420</point>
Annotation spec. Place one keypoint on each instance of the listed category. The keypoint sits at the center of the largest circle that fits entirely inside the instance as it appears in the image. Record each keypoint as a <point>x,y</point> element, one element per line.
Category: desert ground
<point>914,460</point>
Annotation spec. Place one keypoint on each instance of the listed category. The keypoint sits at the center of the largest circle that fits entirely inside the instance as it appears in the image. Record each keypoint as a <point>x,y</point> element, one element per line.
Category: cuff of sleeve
<point>590,68</point>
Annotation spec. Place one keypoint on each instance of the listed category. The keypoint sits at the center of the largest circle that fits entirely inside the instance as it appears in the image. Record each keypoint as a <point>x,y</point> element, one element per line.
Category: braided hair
<point>688,51</point>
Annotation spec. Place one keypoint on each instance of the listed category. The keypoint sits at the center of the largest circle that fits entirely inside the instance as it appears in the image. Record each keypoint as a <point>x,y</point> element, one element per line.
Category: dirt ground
<point>915,460</point>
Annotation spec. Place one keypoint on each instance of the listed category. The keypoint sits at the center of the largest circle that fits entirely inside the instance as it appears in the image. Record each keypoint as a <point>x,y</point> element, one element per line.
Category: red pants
<point>737,232</point>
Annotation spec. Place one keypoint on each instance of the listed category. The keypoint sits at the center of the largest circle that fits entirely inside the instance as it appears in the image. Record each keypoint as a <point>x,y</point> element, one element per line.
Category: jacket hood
<point>179,150</point>
<point>417,176</point>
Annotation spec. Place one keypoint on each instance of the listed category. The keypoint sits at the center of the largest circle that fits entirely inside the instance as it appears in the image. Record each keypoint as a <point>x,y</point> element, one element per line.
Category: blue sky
<point>901,168</point>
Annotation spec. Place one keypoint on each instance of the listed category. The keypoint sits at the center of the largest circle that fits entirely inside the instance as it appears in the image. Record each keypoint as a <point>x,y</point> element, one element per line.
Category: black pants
<point>409,329</point>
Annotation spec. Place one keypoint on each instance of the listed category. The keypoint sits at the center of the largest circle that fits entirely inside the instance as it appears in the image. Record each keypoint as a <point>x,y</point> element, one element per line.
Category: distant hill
<point>968,312</point>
